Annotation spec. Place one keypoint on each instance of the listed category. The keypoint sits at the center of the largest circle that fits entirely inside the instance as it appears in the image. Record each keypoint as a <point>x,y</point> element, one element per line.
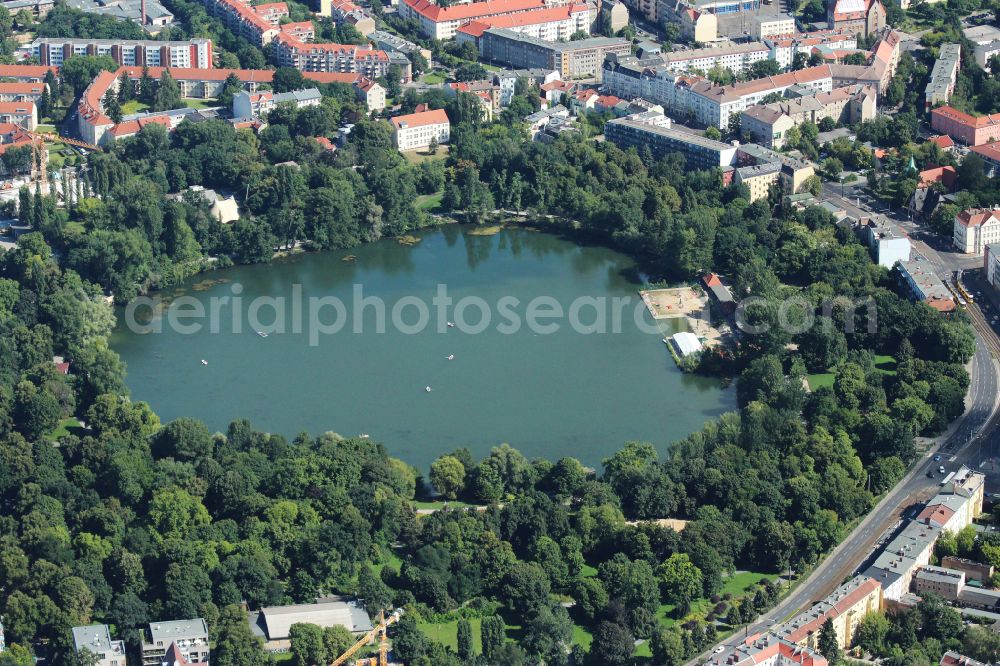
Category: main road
<point>973,440</point>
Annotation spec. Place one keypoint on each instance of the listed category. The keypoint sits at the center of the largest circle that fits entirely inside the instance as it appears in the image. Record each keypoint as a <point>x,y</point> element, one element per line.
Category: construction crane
<point>38,155</point>
<point>380,630</point>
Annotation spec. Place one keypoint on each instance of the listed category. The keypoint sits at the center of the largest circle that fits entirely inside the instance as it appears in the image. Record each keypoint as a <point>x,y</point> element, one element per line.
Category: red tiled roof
<point>943,141</point>
<point>21,88</point>
<point>333,77</point>
<point>325,143</point>
<point>974,217</point>
<point>965,118</point>
<point>26,71</point>
<point>989,151</point>
<point>17,108</point>
<point>472,10</point>
<point>711,280</point>
<point>435,117</point>
<point>532,17</point>
<point>195,74</point>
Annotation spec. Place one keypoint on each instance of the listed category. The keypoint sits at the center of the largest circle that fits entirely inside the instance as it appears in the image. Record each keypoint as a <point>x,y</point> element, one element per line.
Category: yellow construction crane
<point>38,155</point>
<point>380,629</point>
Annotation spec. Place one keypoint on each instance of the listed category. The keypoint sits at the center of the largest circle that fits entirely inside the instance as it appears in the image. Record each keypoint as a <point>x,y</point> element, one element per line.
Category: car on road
<point>936,458</point>
<point>941,469</point>
<point>721,648</point>
<point>930,474</point>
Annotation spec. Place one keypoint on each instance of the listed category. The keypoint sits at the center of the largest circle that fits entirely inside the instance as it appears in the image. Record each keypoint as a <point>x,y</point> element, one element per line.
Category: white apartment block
<point>196,53</point>
<point>943,77</point>
<point>553,24</point>
<point>768,26</point>
<point>785,47</point>
<point>417,130</point>
<point>437,22</point>
<point>735,57</point>
<point>976,228</point>
<point>96,639</point>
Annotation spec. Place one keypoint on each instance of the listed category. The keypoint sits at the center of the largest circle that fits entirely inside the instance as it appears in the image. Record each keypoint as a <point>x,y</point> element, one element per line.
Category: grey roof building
<point>190,636</point>
<point>273,624</point>
<point>96,639</point>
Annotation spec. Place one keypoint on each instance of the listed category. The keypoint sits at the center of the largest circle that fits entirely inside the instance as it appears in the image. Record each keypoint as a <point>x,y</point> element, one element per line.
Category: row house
<point>552,24</point>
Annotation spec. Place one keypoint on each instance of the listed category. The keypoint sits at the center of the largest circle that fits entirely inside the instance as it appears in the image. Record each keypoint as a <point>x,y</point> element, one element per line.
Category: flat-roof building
<point>941,84</point>
<point>273,624</point>
<point>189,636</point>
<point>573,60</point>
<point>96,639</point>
<point>654,131</point>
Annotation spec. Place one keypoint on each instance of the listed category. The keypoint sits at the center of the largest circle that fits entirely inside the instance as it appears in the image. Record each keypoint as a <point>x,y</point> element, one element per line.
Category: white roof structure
<point>686,343</point>
<point>275,622</point>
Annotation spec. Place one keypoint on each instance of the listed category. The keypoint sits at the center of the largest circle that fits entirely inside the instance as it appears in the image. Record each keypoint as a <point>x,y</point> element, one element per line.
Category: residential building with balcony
<point>189,636</point>
<point>96,639</point>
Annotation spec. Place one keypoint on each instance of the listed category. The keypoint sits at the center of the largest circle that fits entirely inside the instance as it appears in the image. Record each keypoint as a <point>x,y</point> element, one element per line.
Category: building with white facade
<point>735,57</point>
<point>976,228</point>
<point>887,243</point>
<point>54,50</point>
<point>991,264</point>
<point>418,130</point>
<point>770,26</point>
<point>96,639</point>
<point>551,24</point>
<point>253,105</point>
<point>784,48</point>
<point>314,57</point>
<point>437,22</point>
<point>655,132</point>
<point>189,636</point>
<point>943,77</point>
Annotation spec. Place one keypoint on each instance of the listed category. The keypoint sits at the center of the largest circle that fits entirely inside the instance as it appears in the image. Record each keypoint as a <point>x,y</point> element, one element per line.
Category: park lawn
<point>446,633</point>
<point>199,103</point>
<point>65,427</point>
<point>45,129</point>
<point>393,562</point>
<point>883,363</point>
<point>737,584</point>
<point>433,79</point>
<point>582,637</point>
<point>423,155</point>
<point>588,571</point>
<point>134,106</point>
<point>282,657</point>
<point>430,202</point>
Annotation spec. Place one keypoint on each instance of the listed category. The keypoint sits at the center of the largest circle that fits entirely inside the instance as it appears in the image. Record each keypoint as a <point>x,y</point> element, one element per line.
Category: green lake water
<point>549,394</point>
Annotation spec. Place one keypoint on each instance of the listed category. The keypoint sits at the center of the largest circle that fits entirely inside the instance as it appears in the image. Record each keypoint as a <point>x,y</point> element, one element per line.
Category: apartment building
<point>785,47</point>
<point>654,131</point>
<point>245,20</point>
<point>952,658</point>
<point>976,228</point>
<point>304,31</point>
<point>367,90</point>
<point>417,130</point>
<point>96,639</point>
<point>696,23</point>
<point>960,126</point>
<point>845,607</point>
<point>860,16</point>
<point>311,57</point>
<point>973,570</point>
<point>22,114</point>
<point>735,57</point>
<point>770,26</point>
<point>648,9</point>
<point>26,73</point>
<point>437,22</point>
<point>391,43</point>
<point>573,60</point>
<point>15,91</point>
<point>941,84</point>
<point>768,124</point>
<point>190,638</point>
<point>991,264</point>
<point>255,105</point>
<point>760,179</point>
<point>550,24</point>
<point>924,286</point>
<point>613,15</point>
<point>886,242</point>
<point>54,50</point>
<point>767,649</point>
<point>946,583</point>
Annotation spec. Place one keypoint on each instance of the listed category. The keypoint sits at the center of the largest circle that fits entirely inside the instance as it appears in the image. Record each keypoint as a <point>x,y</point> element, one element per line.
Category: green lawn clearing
<point>418,156</point>
<point>433,79</point>
<point>446,633</point>
<point>441,504</point>
<point>65,427</point>
<point>883,363</point>
<point>134,106</point>
<point>429,202</point>
<point>198,103</point>
<point>582,637</point>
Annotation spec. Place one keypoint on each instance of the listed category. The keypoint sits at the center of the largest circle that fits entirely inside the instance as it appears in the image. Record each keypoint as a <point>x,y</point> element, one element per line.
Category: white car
<point>721,648</point>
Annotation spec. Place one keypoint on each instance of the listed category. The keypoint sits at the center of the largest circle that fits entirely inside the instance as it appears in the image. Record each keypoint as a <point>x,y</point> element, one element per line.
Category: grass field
<point>446,633</point>
<point>65,427</point>
<point>418,156</point>
<point>198,103</point>
<point>452,504</point>
<point>433,78</point>
<point>429,202</point>
<point>883,363</point>
<point>133,106</point>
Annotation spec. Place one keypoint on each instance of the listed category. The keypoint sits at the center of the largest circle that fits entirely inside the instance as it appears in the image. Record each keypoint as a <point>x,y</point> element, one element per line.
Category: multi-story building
<point>96,639</point>
<point>22,114</point>
<point>760,179</point>
<point>976,228</point>
<point>767,649</point>
<point>647,9</point>
<point>16,91</point>
<point>898,561</point>
<point>255,105</point>
<point>368,91</point>
<point>26,73</point>
<point>244,20</point>
<point>148,13</point>
<point>189,636</point>
<point>311,57</point>
<point>960,126</point>
<point>552,23</point>
<point>437,22</point>
<point>860,16</point>
<point>991,264</point>
<point>768,124</point>
<point>304,31</point>
<point>274,624</point>
<point>973,570</point>
<point>735,57</point>
<point>952,658</point>
<point>784,48</point>
<point>924,286</point>
<point>346,12</point>
<point>418,130</point>
<point>54,50</point>
<point>613,15</point>
<point>941,84</point>
<point>887,243</point>
<point>770,26</point>
<point>391,43</point>
<point>654,131</point>
<point>845,607</point>
<point>573,60</point>
<point>958,503</point>
<point>202,83</point>
<point>943,582</point>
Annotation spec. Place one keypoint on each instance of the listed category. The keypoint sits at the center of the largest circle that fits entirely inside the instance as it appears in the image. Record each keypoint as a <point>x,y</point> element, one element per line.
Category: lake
<point>550,386</point>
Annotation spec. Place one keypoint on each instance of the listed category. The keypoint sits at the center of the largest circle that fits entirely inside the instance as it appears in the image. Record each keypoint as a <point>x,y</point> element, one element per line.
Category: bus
<point>944,482</point>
